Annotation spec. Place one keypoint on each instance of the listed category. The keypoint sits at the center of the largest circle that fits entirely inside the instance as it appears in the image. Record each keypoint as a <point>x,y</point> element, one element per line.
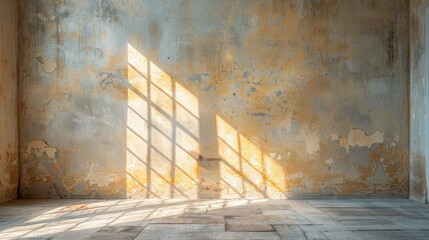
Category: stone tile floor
<point>214,219</point>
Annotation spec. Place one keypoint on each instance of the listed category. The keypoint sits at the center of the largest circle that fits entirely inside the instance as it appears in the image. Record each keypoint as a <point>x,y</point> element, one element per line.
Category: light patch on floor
<point>214,219</point>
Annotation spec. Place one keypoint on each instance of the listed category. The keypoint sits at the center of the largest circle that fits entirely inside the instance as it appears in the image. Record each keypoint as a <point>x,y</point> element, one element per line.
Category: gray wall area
<point>419,101</point>
<point>214,99</point>
<point>8,100</point>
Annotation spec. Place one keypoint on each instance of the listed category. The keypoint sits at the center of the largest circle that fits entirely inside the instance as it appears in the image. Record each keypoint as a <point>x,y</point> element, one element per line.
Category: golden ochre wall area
<point>214,99</point>
<point>9,166</point>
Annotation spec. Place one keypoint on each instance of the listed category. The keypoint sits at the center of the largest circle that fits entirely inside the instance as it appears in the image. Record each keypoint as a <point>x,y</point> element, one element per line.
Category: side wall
<point>8,100</point>
<point>214,99</point>
<point>419,165</point>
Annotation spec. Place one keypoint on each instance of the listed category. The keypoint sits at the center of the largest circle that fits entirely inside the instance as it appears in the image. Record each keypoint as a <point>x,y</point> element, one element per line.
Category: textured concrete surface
<point>214,219</point>
<point>419,104</point>
<point>214,99</point>
<point>8,100</point>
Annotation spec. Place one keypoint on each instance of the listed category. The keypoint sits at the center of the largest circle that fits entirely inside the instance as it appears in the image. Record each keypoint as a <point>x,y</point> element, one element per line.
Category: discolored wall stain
<point>9,166</point>
<point>213,99</point>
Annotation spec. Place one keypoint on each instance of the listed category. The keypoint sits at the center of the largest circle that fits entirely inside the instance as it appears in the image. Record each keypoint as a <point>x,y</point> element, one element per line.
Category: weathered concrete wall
<point>214,99</point>
<point>419,167</point>
<point>8,100</point>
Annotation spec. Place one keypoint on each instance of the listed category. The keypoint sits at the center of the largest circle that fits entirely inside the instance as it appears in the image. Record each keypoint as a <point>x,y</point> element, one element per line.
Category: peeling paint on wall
<point>358,138</point>
<point>39,148</point>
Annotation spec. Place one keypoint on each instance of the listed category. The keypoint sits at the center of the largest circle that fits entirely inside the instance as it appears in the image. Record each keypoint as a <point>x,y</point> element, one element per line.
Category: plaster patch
<point>312,143</point>
<point>395,140</point>
<point>100,180</point>
<point>275,156</point>
<point>47,66</point>
<point>295,176</point>
<point>38,148</point>
<point>329,161</point>
<point>358,137</point>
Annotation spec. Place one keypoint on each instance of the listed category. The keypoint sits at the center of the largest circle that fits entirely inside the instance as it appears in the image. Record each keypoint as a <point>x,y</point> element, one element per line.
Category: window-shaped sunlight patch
<point>162,133</point>
<point>164,158</point>
<point>246,171</point>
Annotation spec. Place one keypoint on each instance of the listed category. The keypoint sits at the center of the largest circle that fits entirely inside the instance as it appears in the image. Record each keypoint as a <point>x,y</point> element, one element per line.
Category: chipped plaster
<point>39,148</point>
<point>358,138</point>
